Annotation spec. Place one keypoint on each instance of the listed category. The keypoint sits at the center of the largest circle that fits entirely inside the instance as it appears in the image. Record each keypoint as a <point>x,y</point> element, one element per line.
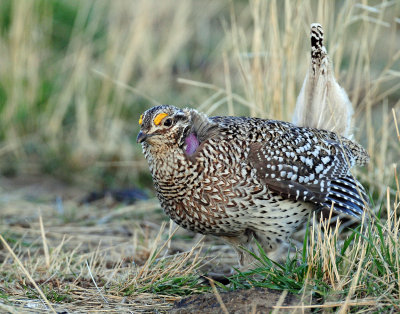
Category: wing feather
<point>304,166</point>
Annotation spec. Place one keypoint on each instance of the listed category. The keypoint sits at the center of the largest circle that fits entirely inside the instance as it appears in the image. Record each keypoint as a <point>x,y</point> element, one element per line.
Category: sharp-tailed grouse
<point>239,177</point>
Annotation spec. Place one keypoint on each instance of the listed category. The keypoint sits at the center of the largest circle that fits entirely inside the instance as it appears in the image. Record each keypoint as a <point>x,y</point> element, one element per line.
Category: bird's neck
<point>165,164</point>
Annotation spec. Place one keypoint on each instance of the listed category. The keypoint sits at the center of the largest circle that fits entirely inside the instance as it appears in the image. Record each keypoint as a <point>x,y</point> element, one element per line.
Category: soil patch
<point>242,301</point>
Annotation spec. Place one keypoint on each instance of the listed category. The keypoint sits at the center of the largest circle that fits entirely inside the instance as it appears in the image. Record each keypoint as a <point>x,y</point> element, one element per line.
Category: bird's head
<point>164,126</point>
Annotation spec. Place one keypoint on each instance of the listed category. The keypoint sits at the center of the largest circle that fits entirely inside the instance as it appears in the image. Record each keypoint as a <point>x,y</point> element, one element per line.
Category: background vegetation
<point>76,75</point>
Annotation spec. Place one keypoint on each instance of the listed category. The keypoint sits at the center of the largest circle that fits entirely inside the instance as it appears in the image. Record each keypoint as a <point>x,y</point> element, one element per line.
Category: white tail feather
<point>322,103</point>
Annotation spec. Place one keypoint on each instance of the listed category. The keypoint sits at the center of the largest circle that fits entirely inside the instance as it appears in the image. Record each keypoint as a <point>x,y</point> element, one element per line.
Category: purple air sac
<point>191,144</point>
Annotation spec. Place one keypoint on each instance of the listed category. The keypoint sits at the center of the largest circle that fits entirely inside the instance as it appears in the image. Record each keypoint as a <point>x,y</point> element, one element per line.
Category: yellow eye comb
<point>141,119</point>
<point>159,117</point>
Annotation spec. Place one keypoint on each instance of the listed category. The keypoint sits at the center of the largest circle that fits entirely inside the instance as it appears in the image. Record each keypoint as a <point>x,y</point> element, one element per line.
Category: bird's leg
<point>275,248</point>
<point>241,244</point>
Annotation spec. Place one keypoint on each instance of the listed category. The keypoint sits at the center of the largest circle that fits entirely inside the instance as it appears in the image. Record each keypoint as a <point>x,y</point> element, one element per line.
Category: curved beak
<point>141,137</point>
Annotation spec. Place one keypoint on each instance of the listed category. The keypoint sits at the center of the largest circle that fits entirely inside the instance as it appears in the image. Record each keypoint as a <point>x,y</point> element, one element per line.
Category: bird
<point>245,178</point>
<point>322,102</point>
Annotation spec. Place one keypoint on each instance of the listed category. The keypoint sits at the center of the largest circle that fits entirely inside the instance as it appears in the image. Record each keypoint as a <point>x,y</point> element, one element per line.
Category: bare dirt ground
<point>63,243</point>
<point>238,302</point>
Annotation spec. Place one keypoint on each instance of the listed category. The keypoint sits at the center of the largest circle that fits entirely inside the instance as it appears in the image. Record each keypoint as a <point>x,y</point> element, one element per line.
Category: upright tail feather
<point>322,103</point>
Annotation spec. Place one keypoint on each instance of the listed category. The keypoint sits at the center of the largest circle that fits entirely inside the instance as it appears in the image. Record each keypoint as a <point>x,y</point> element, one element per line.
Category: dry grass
<point>74,77</point>
<point>95,264</point>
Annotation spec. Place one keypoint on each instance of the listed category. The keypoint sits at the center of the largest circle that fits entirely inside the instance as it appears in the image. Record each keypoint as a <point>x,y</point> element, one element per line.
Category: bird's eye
<point>168,122</point>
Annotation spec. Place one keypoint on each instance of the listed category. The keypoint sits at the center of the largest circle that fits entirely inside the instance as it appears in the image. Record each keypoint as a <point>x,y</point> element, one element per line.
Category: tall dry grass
<point>66,67</point>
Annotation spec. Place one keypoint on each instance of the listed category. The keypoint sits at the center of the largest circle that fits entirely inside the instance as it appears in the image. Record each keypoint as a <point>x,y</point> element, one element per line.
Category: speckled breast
<point>213,192</point>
